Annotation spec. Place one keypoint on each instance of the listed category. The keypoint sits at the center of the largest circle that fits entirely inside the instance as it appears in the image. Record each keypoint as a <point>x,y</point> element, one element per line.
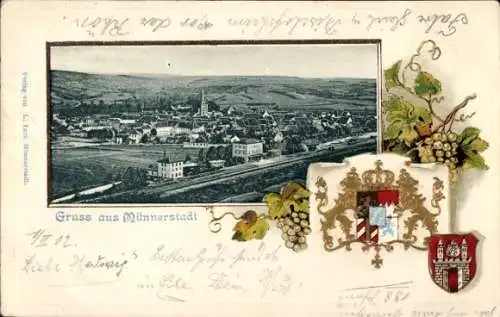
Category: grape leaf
<point>276,205</point>
<point>303,205</point>
<point>393,130</point>
<point>245,232</point>
<point>478,145</point>
<point>391,76</point>
<point>404,116</point>
<point>468,135</point>
<point>427,85</point>
<point>408,134</point>
<point>475,161</point>
<point>241,226</point>
<point>292,195</point>
<point>294,191</point>
<point>472,150</point>
<point>472,145</point>
<point>239,230</point>
<point>423,115</point>
<point>260,228</point>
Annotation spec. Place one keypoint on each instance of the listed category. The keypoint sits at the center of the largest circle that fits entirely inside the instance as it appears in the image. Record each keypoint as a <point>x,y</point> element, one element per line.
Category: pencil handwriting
<point>443,24</point>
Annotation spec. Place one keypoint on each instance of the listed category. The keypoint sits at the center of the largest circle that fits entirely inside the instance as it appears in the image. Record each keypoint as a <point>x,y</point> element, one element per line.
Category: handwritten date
<point>42,238</point>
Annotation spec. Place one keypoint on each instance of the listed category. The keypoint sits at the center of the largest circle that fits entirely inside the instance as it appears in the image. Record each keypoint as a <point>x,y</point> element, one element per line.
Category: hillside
<point>70,88</point>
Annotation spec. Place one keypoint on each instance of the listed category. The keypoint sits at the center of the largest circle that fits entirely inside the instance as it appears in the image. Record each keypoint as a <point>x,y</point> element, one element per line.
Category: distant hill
<point>68,89</point>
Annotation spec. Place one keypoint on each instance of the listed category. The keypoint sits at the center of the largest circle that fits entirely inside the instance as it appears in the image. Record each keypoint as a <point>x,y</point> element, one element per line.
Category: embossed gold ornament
<point>338,217</point>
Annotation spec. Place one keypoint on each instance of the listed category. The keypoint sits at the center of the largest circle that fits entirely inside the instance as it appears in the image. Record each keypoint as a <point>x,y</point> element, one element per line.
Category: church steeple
<point>203,104</point>
<point>440,250</point>
<point>464,250</point>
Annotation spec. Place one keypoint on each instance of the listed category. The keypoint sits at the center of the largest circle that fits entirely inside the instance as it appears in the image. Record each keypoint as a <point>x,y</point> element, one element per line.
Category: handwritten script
<point>58,253</point>
<point>122,26</point>
<point>395,300</point>
<point>329,23</point>
<point>231,272</point>
<point>253,271</point>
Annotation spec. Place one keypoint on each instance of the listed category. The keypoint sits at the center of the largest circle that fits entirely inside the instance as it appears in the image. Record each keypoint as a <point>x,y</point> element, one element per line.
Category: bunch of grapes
<point>440,147</point>
<point>294,228</point>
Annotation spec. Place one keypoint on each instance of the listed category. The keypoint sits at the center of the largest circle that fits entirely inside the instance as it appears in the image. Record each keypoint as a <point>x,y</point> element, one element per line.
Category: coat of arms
<point>452,260</point>
<point>379,201</point>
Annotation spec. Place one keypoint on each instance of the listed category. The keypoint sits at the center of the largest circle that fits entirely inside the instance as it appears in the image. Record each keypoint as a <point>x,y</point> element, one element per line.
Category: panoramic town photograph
<point>203,124</point>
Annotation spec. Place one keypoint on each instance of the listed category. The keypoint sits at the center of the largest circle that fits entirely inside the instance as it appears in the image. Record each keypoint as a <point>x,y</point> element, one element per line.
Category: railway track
<point>257,170</point>
<point>203,181</point>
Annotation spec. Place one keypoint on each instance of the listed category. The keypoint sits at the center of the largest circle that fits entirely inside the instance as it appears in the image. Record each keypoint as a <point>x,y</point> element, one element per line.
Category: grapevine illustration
<point>413,128</point>
<point>289,209</point>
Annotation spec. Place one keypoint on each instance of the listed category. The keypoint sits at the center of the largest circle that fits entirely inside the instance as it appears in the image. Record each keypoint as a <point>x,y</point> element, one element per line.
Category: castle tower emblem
<point>452,260</point>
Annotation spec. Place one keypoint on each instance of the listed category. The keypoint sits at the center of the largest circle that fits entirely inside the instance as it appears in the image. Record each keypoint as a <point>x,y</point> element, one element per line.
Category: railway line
<point>170,189</point>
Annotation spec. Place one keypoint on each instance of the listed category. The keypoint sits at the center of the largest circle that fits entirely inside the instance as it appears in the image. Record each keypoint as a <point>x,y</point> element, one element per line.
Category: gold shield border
<point>409,200</point>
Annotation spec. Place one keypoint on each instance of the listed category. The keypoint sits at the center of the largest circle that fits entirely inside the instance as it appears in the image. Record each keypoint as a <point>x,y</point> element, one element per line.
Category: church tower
<point>203,105</point>
<point>440,250</point>
<point>464,250</point>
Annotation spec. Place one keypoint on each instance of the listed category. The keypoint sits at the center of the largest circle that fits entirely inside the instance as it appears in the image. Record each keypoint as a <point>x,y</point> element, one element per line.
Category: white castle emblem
<point>454,258</point>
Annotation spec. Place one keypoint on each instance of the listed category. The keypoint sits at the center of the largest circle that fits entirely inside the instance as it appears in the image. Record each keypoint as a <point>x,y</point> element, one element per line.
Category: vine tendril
<point>215,225</point>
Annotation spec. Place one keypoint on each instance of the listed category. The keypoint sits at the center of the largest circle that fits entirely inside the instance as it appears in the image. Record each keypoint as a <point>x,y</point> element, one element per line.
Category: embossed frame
<point>410,200</point>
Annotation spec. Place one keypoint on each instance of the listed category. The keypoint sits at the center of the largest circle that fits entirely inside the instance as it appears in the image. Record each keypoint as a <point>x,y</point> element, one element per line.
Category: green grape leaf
<point>468,135</point>
<point>294,191</point>
<point>478,145</point>
<point>246,232</point>
<point>391,76</point>
<point>260,228</point>
<point>275,205</point>
<point>393,130</point>
<point>303,206</point>
<point>408,135</point>
<point>475,161</point>
<point>403,118</point>
<point>423,115</point>
<point>427,85</point>
<point>474,147</point>
<point>293,195</point>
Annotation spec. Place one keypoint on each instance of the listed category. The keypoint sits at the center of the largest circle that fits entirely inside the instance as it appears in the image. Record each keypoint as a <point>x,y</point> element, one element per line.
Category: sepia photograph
<point>203,123</point>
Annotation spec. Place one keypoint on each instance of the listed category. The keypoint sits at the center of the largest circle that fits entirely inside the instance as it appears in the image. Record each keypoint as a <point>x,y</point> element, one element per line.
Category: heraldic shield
<point>452,260</point>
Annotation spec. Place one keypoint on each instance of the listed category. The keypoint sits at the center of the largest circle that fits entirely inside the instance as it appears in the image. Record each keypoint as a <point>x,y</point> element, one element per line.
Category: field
<point>82,168</point>
<point>70,88</point>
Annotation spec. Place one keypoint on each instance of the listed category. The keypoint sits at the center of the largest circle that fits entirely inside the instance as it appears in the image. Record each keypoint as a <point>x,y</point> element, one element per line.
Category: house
<point>217,163</point>
<point>278,137</point>
<point>230,110</point>
<point>135,136</point>
<point>172,128</point>
<point>169,168</point>
<point>127,121</point>
<point>248,149</point>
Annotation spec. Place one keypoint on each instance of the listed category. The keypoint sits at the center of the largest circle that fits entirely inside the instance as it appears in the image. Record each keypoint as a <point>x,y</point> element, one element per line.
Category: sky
<point>302,60</point>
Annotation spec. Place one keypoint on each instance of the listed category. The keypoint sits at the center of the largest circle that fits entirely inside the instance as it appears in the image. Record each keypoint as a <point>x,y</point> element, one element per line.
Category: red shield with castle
<point>452,260</point>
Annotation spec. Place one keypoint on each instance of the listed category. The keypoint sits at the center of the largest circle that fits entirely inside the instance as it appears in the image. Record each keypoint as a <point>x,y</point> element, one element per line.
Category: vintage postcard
<point>221,158</point>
